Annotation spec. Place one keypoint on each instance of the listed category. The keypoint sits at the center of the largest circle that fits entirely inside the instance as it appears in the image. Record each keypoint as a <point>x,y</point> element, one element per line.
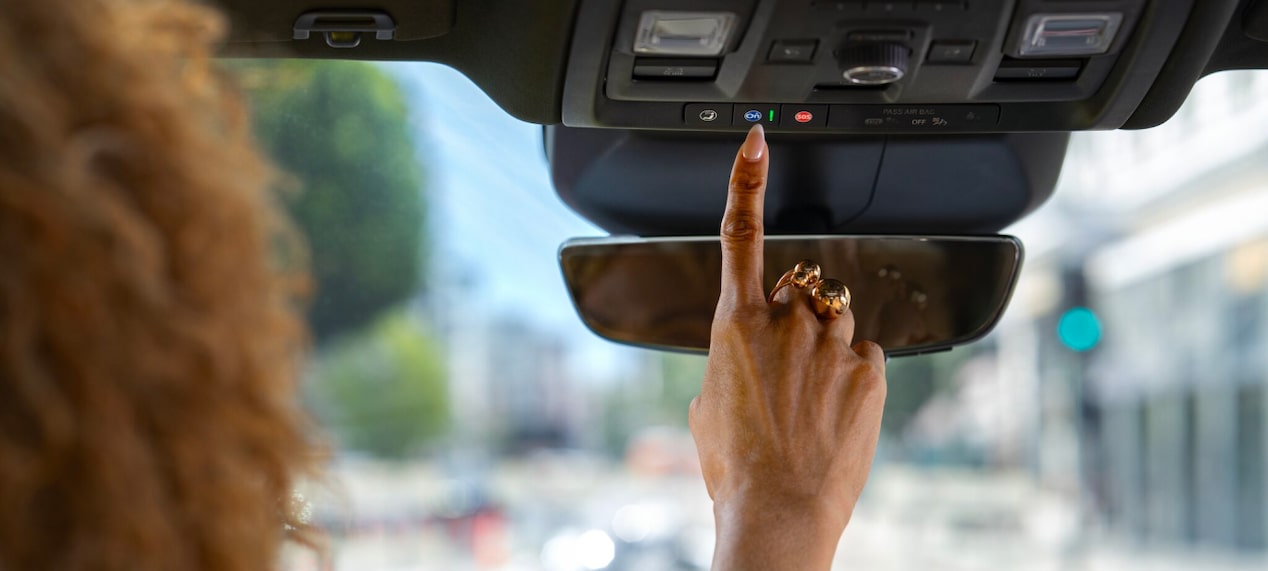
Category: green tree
<point>340,129</point>
<point>383,391</point>
<point>659,396</point>
<point>682,376</point>
<point>911,383</point>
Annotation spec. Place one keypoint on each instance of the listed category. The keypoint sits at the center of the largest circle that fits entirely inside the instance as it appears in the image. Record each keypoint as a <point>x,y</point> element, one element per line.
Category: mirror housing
<point>674,184</point>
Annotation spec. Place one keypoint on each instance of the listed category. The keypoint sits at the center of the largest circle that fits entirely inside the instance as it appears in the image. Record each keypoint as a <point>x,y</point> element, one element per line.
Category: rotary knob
<point>874,64</point>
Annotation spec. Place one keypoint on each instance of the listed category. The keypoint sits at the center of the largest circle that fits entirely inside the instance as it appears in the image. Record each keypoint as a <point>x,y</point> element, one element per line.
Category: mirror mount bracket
<point>972,184</point>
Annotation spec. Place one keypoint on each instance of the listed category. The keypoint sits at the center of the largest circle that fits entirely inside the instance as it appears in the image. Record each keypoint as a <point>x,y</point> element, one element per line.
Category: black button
<point>707,114</point>
<point>803,116</point>
<point>1038,70</point>
<point>951,51</point>
<point>750,113</point>
<point>915,118</point>
<point>792,51</point>
<point>668,68</point>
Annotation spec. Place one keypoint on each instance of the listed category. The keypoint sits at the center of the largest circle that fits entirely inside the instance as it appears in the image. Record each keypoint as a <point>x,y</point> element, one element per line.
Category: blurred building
<point>509,384</point>
<point>533,394</point>
<point>1164,235</point>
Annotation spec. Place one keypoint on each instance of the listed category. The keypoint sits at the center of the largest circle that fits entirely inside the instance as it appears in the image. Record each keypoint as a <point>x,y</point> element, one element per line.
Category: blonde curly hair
<point>149,329</point>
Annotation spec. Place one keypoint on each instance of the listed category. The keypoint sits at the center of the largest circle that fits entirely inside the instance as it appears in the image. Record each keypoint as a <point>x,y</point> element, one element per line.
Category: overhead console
<point>867,66</point>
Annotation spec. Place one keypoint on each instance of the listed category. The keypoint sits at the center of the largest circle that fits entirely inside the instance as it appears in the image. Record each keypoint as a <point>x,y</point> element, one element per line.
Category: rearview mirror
<point>910,294</point>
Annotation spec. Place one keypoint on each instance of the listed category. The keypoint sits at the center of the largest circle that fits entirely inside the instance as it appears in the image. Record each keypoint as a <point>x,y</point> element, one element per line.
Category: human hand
<point>789,414</point>
<point>891,308</point>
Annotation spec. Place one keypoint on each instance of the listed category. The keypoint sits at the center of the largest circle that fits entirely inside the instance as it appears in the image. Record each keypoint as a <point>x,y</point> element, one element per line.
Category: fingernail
<point>755,145</point>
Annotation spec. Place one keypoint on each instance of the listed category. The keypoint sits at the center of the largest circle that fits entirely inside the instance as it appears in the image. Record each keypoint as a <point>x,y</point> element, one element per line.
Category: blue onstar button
<point>752,115</point>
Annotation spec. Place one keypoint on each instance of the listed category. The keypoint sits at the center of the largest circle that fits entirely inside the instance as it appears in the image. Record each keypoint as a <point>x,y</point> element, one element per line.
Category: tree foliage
<point>340,132</point>
<point>383,392</point>
<point>659,396</point>
<point>340,129</point>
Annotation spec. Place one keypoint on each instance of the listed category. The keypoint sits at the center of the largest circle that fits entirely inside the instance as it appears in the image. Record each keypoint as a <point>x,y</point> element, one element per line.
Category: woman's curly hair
<point>150,336</point>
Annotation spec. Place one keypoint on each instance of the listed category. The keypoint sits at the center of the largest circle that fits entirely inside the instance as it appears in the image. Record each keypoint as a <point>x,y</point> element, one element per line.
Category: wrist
<point>777,533</point>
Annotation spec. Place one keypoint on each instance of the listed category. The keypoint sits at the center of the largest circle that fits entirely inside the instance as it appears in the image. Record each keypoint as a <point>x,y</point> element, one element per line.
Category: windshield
<point>1114,420</point>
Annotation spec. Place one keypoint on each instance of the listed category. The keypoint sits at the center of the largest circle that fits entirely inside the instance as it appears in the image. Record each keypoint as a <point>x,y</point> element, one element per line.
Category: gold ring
<point>831,299</point>
<point>804,275</point>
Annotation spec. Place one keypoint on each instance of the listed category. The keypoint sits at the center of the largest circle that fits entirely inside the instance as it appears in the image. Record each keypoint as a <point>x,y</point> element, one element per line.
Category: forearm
<point>789,412</point>
<point>761,536</point>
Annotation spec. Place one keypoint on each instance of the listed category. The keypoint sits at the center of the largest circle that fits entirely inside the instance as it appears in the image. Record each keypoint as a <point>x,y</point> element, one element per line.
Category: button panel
<point>959,53</point>
<point>853,118</point>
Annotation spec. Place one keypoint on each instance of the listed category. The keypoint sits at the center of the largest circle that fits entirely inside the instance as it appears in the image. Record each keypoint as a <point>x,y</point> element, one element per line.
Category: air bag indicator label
<point>914,118</point>
<point>902,111</point>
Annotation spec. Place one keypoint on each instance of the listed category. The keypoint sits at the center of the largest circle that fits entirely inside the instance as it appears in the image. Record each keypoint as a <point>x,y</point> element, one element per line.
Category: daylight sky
<point>494,217</point>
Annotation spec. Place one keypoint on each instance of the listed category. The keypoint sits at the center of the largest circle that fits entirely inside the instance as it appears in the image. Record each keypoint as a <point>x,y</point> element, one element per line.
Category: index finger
<point>742,232</point>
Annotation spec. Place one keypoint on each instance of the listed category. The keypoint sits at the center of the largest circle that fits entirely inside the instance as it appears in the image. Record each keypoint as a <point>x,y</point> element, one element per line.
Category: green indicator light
<point>1079,329</point>
<point>772,115</point>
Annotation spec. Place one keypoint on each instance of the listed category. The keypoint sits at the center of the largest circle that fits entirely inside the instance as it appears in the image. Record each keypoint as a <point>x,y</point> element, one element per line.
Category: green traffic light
<point>1079,329</point>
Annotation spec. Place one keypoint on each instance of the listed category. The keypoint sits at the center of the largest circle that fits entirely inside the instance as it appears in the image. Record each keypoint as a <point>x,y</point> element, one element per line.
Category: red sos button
<point>804,117</point>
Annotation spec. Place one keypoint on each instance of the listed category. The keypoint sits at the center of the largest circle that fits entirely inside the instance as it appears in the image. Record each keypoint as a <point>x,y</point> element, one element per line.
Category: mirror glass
<point>910,294</point>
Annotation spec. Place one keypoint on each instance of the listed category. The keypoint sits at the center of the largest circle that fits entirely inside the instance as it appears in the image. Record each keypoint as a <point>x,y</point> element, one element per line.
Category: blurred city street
<point>910,518</point>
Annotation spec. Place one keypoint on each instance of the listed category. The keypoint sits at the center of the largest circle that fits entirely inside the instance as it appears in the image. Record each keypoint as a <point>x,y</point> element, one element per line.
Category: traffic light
<point>1079,329</point>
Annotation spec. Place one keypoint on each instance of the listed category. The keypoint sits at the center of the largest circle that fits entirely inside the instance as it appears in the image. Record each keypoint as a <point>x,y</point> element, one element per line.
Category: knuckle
<point>805,328</point>
<point>727,316</point>
<point>741,226</point>
<point>734,317</point>
<point>865,371</point>
<point>726,327</point>
<point>870,379</point>
<point>747,182</point>
<point>840,358</point>
<point>869,349</point>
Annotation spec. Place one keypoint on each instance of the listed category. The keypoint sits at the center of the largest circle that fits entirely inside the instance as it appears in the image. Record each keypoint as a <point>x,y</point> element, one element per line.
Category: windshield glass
<point>1114,420</point>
